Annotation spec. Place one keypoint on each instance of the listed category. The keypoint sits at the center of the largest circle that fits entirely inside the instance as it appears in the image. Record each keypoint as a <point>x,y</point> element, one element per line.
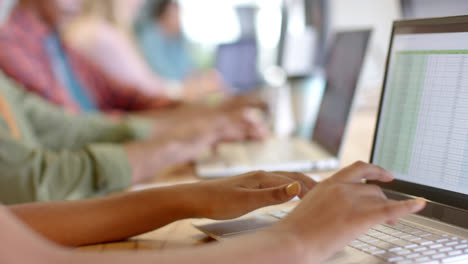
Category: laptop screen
<point>422,132</point>
<point>344,65</point>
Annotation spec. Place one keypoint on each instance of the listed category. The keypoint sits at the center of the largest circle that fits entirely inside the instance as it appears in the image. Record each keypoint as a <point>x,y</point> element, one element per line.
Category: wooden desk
<point>181,234</point>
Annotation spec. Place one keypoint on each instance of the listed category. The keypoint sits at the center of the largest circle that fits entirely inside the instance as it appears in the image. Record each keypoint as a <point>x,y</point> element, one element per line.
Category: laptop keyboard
<point>406,243</point>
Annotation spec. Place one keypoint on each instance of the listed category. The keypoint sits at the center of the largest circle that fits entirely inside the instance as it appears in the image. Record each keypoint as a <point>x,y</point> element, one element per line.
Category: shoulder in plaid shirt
<point>24,58</point>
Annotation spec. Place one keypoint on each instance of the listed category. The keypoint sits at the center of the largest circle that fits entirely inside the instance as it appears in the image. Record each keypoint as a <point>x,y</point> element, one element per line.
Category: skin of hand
<point>235,196</point>
<point>16,237</point>
<point>230,122</point>
<point>193,110</point>
<point>332,214</point>
<point>244,124</point>
<point>199,86</point>
<point>184,141</point>
<point>146,158</point>
<point>340,209</point>
<point>125,215</point>
<point>241,101</point>
<point>247,123</point>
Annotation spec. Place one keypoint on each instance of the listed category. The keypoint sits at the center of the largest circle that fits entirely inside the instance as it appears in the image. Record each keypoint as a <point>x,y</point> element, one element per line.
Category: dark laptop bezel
<point>367,34</point>
<point>443,205</point>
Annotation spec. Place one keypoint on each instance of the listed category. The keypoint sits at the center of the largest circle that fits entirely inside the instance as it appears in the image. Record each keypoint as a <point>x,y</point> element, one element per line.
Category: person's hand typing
<point>235,196</point>
<point>340,209</point>
<point>242,124</point>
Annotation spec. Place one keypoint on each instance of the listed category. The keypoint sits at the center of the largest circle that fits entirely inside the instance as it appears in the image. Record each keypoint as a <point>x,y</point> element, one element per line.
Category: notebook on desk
<point>422,137</point>
<point>320,151</point>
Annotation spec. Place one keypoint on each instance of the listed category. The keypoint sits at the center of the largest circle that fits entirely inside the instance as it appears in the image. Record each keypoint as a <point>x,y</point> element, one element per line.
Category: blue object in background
<point>63,71</point>
<point>167,56</point>
<point>237,63</point>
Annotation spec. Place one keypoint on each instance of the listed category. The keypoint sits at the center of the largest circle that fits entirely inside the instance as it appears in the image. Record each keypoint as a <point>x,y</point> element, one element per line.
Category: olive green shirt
<point>61,156</point>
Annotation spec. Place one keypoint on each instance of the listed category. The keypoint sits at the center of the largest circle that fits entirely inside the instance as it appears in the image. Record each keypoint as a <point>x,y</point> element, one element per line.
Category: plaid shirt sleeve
<point>111,95</point>
<point>28,64</point>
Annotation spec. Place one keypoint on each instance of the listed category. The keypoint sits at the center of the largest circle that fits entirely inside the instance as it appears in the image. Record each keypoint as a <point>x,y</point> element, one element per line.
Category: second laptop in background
<point>322,151</point>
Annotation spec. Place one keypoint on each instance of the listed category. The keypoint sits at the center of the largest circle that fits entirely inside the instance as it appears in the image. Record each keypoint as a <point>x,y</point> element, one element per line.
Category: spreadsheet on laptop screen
<point>423,130</point>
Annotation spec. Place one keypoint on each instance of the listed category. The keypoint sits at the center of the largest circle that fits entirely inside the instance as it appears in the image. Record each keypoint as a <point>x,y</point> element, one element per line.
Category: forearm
<point>57,130</point>
<point>262,247</point>
<point>148,158</point>
<point>107,219</point>
<point>185,111</point>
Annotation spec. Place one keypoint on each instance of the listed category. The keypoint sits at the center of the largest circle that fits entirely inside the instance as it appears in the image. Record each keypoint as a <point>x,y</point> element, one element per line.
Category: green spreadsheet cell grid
<point>422,52</point>
<point>401,111</point>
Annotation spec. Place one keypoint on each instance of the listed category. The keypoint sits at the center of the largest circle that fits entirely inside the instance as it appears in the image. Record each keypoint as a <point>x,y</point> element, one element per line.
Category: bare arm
<point>183,141</point>
<point>106,219</point>
<point>261,248</point>
<point>313,232</point>
<point>149,157</point>
<point>121,216</point>
<point>331,215</point>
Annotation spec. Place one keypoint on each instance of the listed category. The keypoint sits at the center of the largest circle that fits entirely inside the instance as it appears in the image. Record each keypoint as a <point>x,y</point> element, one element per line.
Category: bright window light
<point>269,26</point>
<point>209,21</point>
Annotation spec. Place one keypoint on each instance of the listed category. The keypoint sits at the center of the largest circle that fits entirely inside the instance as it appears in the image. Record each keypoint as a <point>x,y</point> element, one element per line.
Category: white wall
<point>375,14</point>
<point>5,7</point>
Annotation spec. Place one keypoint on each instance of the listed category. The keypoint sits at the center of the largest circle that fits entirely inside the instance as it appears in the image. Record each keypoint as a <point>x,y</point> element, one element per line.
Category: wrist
<point>306,251</point>
<point>183,204</point>
<point>135,153</point>
<point>292,249</point>
<point>149,157</point>
<point>199,200</point>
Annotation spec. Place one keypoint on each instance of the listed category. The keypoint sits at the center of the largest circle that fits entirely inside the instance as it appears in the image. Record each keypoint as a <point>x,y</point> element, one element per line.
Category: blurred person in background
<point>159,34</point>
<point>47,66</point>
<point>47,154</point>
<point>102,32</point>
<point>32,53</point>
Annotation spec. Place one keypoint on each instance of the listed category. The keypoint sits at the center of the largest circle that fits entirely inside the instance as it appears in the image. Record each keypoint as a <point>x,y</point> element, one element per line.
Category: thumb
<point>276,195</point>
<point>396,209</point>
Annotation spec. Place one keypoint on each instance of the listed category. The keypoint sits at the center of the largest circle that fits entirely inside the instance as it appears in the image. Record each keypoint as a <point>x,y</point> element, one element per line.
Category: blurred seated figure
<point>100,34</point>
<point>161,40</point>
<point>103,33</point>
<point>32,53</point>
<point>47,154</point>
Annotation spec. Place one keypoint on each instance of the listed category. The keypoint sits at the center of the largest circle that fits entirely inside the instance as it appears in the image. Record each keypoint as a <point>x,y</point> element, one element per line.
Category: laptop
<point>319,152</point>
<point>422,137</point>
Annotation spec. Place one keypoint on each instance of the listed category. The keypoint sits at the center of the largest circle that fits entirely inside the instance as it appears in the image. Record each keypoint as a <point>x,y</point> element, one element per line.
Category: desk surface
<point>181,234</point>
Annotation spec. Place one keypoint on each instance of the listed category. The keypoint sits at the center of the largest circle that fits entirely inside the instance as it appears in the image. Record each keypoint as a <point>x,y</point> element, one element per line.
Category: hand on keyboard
<point>341,208</point>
